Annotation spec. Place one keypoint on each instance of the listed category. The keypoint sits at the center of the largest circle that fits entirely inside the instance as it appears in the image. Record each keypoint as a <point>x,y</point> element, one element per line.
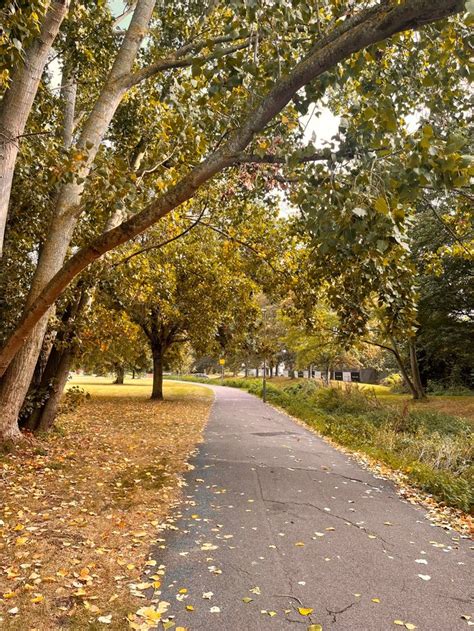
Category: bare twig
<point>446,226</point>
<point>156,246</point>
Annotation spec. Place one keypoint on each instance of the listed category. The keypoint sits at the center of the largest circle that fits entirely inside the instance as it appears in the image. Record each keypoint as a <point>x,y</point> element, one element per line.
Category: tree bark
<point>18,100</point>
<point>50,409</point>
<point>53,373</point>
<point>419,391</point>
<point>157,390</point>
<point>54,378</point>
<point>119,374</point>
<point>15,381</point>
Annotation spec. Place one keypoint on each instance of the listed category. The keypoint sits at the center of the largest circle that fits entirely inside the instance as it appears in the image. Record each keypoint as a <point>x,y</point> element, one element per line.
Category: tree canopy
<point>189,117</point>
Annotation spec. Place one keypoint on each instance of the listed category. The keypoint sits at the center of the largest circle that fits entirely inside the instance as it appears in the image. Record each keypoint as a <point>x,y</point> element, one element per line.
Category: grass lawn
<point>80,508</point>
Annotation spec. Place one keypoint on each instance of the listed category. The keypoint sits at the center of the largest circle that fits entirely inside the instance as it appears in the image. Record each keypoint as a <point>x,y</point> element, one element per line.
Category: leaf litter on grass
<point>81,507</point>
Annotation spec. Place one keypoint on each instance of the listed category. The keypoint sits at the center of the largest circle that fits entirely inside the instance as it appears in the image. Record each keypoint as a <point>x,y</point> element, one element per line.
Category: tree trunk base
<point>9,440</point>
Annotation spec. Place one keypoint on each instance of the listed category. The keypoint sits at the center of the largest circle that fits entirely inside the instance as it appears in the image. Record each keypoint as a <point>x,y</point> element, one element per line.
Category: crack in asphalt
<point>239,569</point>
<point>467,601</point>
<point>262,465</point>
<point>321,510</point>
<point>283,568</point>
<point>334,614</point>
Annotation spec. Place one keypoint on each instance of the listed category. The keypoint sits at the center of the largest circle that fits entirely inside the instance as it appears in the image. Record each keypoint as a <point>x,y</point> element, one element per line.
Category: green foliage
<point>395,382</point>
<point>19,23</point>
<point>73,398</point>
<point>442,388</point>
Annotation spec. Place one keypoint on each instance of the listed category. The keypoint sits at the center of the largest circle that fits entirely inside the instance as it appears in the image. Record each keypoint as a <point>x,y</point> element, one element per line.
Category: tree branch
<point>156,246</point>
<point>268,158</point>
<point>123,15</point>
<point>179,61</point>
<point>447,227</point>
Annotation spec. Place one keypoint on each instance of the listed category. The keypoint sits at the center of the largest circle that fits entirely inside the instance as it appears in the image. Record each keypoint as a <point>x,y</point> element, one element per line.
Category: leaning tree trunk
<point>18,100</point>
<point>419,391</point>
<point>54,380</point>
<point>16,379</point>
<point>405,374</point>
<point>157,390</point>
<point>50,409</point>
<point>55,371</point>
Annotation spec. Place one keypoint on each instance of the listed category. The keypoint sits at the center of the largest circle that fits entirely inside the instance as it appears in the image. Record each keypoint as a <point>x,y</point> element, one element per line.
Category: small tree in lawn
<point>182,293</point>
<point>112,343</point>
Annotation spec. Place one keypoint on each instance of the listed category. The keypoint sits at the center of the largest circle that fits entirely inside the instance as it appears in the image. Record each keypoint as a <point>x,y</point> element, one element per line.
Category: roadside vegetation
<point>84,504</point>
<point>435,449</point>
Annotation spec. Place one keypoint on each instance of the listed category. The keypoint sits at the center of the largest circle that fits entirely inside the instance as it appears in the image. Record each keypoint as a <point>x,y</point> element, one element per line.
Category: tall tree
<point>21,89</point>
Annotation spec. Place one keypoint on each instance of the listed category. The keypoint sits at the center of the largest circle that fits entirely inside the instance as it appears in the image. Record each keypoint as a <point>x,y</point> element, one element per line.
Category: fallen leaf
<point>105,619</point>
<point>150,613</point>
<point>208,546</point>
<point>305,611</point>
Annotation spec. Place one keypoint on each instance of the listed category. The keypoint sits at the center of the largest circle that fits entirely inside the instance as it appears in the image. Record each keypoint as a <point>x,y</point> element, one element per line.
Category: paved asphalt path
<point>261,487</point>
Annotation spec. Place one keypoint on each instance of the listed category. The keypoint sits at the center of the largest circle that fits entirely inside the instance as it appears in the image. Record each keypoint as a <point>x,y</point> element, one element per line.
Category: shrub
<point>73,398</point>
<point>345,400</point>
<point>396,383</point>
<point>449,389</point>
<point>303,388</point>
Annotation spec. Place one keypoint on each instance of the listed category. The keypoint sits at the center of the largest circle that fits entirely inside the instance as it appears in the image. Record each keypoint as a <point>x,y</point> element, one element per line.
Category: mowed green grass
<point>104,387</point>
